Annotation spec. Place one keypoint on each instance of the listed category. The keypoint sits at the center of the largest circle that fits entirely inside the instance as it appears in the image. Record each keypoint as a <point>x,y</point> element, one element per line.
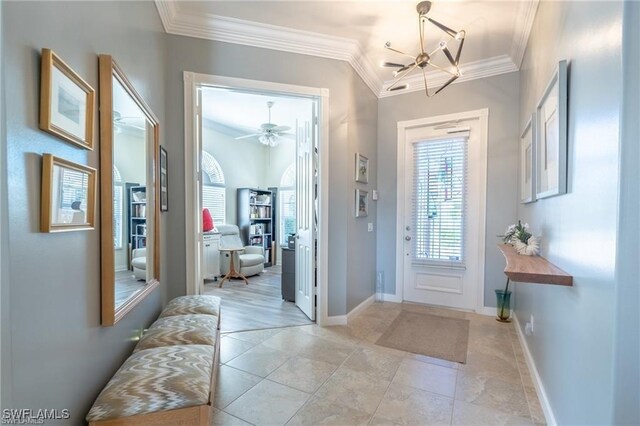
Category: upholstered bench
<point>170,377</point>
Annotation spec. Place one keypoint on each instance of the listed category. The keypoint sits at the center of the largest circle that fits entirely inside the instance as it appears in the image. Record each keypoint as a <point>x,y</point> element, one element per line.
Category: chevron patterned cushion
<point>157,379</point>
<point>180,330</point>
<point>208,305</point>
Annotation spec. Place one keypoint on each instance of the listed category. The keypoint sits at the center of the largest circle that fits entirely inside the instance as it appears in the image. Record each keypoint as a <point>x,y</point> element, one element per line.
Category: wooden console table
<point>532,269</point>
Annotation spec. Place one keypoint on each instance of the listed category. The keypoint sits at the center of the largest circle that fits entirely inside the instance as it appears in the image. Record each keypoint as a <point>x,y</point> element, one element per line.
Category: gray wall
<point>626,336</point>
<point>500,95</point>
<point>202,56</point>
<point>61,356</point>
<point>363,139</point>
<point>574,326</point>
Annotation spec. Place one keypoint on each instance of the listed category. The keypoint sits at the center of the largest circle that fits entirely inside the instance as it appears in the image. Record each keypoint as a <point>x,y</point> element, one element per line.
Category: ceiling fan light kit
<point>425,59</point>
<point>269,134</point>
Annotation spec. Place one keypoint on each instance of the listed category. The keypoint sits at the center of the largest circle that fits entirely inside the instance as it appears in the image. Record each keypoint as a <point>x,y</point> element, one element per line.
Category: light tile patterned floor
<point>308,375</point>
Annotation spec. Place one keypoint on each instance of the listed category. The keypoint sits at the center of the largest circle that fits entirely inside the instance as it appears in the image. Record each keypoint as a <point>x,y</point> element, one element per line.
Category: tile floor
<point>307,375</point>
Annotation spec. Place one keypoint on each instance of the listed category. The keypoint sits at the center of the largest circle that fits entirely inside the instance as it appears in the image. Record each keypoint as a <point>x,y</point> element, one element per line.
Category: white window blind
<point>213,188</point>
<point>118,192</point>
<point>213,198</point>
<point>439,201</point>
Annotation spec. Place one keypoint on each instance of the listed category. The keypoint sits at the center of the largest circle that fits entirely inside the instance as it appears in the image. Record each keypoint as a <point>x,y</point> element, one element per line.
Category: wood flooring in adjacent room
<point>258,305</point>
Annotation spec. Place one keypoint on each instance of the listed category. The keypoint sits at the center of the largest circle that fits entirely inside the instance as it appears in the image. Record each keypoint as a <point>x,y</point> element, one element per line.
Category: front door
<point>443,223</point>
<point>305,216</point>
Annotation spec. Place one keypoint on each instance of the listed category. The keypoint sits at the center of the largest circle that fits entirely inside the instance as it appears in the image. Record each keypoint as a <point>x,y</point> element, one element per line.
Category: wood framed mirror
<point>129,194</point>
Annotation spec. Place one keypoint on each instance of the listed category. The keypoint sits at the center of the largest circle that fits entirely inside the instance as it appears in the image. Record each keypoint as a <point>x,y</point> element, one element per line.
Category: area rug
<point>431,335</point>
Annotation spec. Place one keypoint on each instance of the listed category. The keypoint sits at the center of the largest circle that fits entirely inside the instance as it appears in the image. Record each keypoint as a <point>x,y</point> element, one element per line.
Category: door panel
<point>305,265</point>
<point>446,271</point>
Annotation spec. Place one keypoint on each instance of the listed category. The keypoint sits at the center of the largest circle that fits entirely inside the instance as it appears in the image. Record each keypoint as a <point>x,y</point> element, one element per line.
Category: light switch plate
<point>370,227</point>
<point>374,195</point>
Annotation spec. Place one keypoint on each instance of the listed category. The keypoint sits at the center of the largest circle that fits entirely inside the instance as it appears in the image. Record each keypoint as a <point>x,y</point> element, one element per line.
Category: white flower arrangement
<point>520,237</point>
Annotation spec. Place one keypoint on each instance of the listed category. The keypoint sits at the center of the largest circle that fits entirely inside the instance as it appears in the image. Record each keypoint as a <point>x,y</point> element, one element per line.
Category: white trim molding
<point>535,376</point>
<point>179,20</point>
<point>522,29</point>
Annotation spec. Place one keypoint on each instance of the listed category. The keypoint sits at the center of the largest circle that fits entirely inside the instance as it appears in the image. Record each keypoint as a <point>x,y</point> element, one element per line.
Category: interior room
<point>249,186</point>
<point>458,182</point>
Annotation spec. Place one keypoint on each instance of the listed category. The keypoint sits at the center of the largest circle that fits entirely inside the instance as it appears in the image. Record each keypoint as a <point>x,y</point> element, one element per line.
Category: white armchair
<point>139,263</point>
<point>249,261</point>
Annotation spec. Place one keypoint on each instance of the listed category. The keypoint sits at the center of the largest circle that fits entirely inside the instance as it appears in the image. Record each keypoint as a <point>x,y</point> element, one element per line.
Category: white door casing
<point>443,285</point>
<point>193,82</point>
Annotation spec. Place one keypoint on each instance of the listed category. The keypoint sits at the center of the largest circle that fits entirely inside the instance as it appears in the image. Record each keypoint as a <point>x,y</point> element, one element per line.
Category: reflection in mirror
<point>129,151</point>
<point>68,195</point>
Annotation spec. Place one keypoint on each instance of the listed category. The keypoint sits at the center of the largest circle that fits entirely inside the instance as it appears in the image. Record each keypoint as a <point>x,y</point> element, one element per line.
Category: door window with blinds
<point>439,200</point>
<point>213,188</point>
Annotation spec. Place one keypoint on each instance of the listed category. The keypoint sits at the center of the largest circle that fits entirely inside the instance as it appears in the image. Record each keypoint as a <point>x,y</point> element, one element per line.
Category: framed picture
<point>527,154</point>
<point>164,195</point>
<point>362,168</point>
<point>68,198</point>
<point>362,203</point>
<point>551,149</point>
<point>66,102</point>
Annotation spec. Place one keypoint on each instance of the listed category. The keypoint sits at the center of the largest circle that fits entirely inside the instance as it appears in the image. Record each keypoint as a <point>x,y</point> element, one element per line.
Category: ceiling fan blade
<point>248,136</point>
<point>392,64</point>
<point>280,128</point>
<point>287,135</point>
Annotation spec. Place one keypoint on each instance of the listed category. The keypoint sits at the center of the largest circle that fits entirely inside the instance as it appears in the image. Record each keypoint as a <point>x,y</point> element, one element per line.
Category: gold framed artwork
<point>362,168</point>
<point>68,199</point>
<point>66,102</point>
<point>362,203</point>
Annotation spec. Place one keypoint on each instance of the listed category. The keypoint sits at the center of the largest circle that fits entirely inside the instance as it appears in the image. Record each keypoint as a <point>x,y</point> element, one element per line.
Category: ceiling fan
<point>270,134</point>
<point>424,59</point>
<point>131,123</point>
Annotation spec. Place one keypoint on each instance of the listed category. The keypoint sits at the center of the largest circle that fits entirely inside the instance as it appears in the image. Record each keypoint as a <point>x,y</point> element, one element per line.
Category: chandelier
<point>448,64</point>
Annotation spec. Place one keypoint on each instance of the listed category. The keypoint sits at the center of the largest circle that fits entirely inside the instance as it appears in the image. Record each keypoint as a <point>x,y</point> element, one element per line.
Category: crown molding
<point>470,71</point>
<point>266,36</point>
<point>522,29</point>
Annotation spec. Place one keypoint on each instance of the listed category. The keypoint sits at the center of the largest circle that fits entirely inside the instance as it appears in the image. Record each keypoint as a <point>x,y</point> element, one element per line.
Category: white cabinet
<point>211,256</point>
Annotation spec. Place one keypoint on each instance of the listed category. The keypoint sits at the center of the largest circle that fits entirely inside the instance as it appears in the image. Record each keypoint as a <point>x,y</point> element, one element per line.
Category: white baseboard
<point>488,311</point>
<point>361,307</point>
<point>537,381</point>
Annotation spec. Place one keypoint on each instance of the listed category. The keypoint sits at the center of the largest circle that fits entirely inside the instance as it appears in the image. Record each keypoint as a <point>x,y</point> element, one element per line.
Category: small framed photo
<point>362,168</point>
<point>527,170</point>
<point>68,196</point>
<point>362,203</point>
<point>66,102</point>
<point>551,126</point>
<point>164,194</point>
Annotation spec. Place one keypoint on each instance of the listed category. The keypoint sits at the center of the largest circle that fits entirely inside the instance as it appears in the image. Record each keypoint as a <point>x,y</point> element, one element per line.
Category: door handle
<point>408,238</point>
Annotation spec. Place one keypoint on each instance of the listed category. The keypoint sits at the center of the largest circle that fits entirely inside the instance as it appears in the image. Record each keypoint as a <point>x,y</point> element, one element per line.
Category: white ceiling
<point>356,31</point>
<point>242,113</point>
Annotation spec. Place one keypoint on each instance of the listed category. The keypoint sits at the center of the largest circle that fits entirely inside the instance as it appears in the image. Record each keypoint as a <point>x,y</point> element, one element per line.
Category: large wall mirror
<point>129,194</point>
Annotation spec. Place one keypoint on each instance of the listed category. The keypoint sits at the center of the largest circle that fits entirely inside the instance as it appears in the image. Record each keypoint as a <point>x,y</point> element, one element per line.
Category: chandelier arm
<point>451,80</point>
<point>426,87</point>
<point>421,30</point>
<point>398,51</point>
<point>444,28</point>
<point>402,76</point>
<point>459,51</point>
<point>447,53</point>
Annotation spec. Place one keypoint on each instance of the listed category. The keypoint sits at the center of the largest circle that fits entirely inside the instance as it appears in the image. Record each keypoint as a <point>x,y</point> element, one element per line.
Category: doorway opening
<point>256,200</point>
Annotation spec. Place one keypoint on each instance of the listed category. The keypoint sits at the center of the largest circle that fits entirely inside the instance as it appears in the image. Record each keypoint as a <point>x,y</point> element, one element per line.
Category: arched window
<point>118,208</point>
<point>287,196</point>
<point>213,188</point>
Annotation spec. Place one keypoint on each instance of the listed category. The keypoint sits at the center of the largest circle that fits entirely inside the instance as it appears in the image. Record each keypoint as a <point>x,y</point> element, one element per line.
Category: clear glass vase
<point>503,305</point>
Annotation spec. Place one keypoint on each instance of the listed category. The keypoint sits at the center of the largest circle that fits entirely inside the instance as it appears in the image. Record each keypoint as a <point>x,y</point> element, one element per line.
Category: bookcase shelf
<point>256,219</point>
